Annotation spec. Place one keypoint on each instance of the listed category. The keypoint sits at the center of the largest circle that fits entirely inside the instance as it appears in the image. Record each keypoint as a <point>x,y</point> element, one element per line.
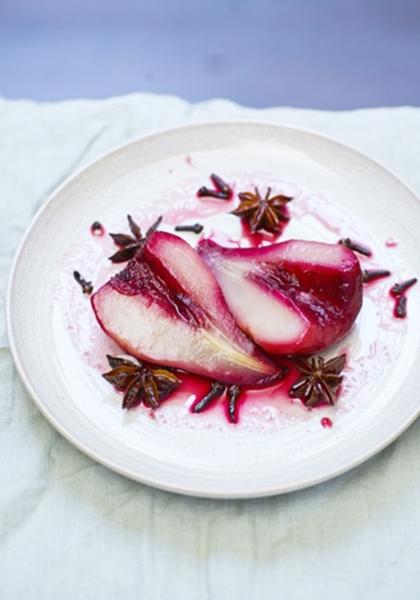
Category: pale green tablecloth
<point>71,530</point>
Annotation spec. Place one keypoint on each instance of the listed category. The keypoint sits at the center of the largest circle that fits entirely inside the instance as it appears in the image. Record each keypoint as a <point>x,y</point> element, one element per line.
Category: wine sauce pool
<point>372,346</point>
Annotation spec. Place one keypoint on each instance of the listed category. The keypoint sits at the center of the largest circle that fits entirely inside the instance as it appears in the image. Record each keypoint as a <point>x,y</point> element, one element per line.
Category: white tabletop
<point>70,529</point>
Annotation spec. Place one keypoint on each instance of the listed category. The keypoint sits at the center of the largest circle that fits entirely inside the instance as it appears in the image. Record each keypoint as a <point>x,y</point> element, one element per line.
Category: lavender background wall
<point>330,54</point>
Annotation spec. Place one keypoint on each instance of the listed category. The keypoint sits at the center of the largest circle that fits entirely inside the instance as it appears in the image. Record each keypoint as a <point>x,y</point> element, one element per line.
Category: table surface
<point>326,54</point>
<point>69,528</point>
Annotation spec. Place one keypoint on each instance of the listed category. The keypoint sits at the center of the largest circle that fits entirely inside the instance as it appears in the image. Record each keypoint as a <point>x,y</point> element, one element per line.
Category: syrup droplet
<point>326,423</point>
<point>97,229</point>
<point>391,243</point>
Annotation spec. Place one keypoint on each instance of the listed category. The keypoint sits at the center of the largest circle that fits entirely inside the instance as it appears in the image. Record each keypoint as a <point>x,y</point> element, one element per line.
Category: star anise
<point>140,383</point>
<point>263,212</point>
<point>129,245</point>
<point>319,381</point>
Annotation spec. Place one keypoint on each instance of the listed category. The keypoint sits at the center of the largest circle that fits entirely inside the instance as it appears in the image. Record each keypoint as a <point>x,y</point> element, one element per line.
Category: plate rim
<point>110,464</point>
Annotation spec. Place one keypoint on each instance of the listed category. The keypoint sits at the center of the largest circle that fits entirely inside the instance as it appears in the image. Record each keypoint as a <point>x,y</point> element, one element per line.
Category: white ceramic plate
<point>278,446</point>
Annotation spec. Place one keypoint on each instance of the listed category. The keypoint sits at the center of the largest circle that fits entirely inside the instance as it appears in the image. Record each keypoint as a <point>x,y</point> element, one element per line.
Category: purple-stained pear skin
<point>166,307</point>
<point>294,297</point>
